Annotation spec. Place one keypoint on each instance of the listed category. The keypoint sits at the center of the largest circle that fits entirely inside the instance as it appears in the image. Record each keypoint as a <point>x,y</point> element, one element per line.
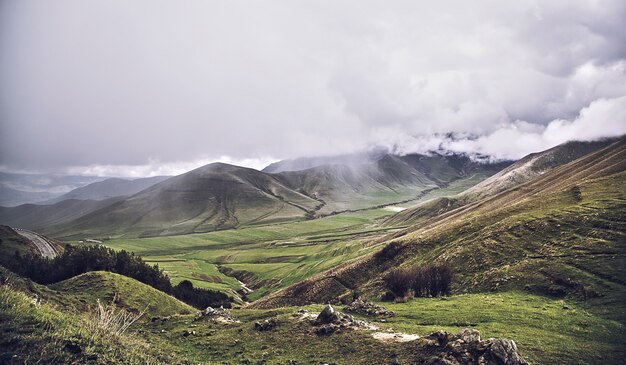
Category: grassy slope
<point>516,174</point>
<point>11,241</point>
<point>128,293</point>
<point>540,236</point>
<point>544,331</point>
<point>38,333</point>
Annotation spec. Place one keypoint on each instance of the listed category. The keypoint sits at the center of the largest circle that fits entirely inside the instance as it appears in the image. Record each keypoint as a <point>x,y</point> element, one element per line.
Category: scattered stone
<point>468,348</point>
<point>565,307</point>
<point>187,333</point>
<point>220,315</point>
<point>469,335</point>
<point>266,325</point>
<point>163,331</point>
<point>367,308</point>
<point>329,321</point>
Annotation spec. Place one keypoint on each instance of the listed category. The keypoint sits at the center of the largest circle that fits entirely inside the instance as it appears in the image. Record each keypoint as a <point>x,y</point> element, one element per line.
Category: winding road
<point>45,248</point>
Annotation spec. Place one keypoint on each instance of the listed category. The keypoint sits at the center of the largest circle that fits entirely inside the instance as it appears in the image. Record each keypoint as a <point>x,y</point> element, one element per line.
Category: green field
<point>277,254</point>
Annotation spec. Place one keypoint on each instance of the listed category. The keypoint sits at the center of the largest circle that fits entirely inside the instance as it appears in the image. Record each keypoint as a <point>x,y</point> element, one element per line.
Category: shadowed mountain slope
<point>562,233</point>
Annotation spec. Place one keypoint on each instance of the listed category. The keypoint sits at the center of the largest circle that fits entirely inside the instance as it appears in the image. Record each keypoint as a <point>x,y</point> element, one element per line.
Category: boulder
<point>505,352</point>
<point>327,315</point>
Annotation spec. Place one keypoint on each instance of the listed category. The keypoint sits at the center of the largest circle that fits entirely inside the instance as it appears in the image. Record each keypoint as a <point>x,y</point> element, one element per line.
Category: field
<point>276,255</point>
<point>544,331</point>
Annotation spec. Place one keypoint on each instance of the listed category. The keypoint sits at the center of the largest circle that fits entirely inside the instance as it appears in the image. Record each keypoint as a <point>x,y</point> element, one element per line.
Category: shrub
<point>430,280</point>
<point>389,252</point>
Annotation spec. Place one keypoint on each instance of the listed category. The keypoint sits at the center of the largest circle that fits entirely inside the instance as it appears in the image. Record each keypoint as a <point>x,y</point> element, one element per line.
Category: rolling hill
<point>125,292</point>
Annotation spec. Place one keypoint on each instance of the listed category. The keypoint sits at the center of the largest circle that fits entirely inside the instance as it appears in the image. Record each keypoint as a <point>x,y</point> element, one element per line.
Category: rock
<point>466,348</point>
<point>216,314</point>
<point>327,315</point>
<point>469,335</point>
<point>506,352</point>
<point>327,329</point>
<point>366,308</point>
<point>266,325</point>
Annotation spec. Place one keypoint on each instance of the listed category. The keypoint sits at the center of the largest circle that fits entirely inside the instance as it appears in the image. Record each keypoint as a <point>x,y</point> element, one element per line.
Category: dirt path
<point>45,248</point>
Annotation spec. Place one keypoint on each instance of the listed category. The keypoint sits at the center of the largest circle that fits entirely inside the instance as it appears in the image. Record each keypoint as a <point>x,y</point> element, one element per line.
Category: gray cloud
<point>136,88</point>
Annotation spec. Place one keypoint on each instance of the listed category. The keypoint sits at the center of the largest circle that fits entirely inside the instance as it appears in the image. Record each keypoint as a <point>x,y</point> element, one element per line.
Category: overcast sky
<point>132,88</point>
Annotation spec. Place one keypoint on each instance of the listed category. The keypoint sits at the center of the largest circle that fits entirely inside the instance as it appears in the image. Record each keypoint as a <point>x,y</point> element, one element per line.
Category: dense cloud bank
<point>152,87</point>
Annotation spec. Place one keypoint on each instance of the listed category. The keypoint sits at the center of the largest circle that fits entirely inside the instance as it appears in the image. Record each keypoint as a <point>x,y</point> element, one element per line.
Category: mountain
<point>38,217</point>
<point>219,196</point>
<point>17,189</point>
<point>559,234</point>
<point>385,180</point>
<point>516,174</point>
<point>109,188</point>
<point>211,197</point>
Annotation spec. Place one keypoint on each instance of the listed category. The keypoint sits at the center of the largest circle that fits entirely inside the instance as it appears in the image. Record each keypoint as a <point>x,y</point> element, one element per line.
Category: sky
<point>151,87</point>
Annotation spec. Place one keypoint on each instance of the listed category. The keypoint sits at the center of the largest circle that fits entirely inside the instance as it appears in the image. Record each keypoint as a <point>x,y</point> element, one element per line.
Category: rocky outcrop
<point>329,321</point>
<point>467,348</point>
<point>220,315</point>
<point>367,308</point>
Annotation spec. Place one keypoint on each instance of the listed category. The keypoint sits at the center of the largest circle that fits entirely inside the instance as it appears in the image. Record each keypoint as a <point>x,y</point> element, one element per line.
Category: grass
<point>33,332</point>
<point>544,332</point>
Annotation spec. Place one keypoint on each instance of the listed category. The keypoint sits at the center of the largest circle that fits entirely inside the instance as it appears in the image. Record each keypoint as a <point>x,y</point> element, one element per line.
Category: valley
<point>538,258</point>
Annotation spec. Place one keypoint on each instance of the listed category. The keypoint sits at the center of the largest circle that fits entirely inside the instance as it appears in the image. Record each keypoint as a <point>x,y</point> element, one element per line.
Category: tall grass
<point>108,320</point>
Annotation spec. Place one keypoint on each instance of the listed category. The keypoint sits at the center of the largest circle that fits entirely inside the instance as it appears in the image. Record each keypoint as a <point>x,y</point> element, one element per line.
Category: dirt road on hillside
<point>45,248</point>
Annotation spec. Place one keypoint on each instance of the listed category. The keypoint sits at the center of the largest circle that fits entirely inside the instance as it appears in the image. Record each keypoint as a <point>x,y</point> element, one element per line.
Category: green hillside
<point>520,172</point>
<point>126,292</point>
<point>560,234</point>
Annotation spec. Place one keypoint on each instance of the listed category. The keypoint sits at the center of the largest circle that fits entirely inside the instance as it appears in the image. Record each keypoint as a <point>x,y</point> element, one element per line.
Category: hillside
<point>109,188</point>
<point>519,172</point>
<point>562,234</point>
<point>126,292</point>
